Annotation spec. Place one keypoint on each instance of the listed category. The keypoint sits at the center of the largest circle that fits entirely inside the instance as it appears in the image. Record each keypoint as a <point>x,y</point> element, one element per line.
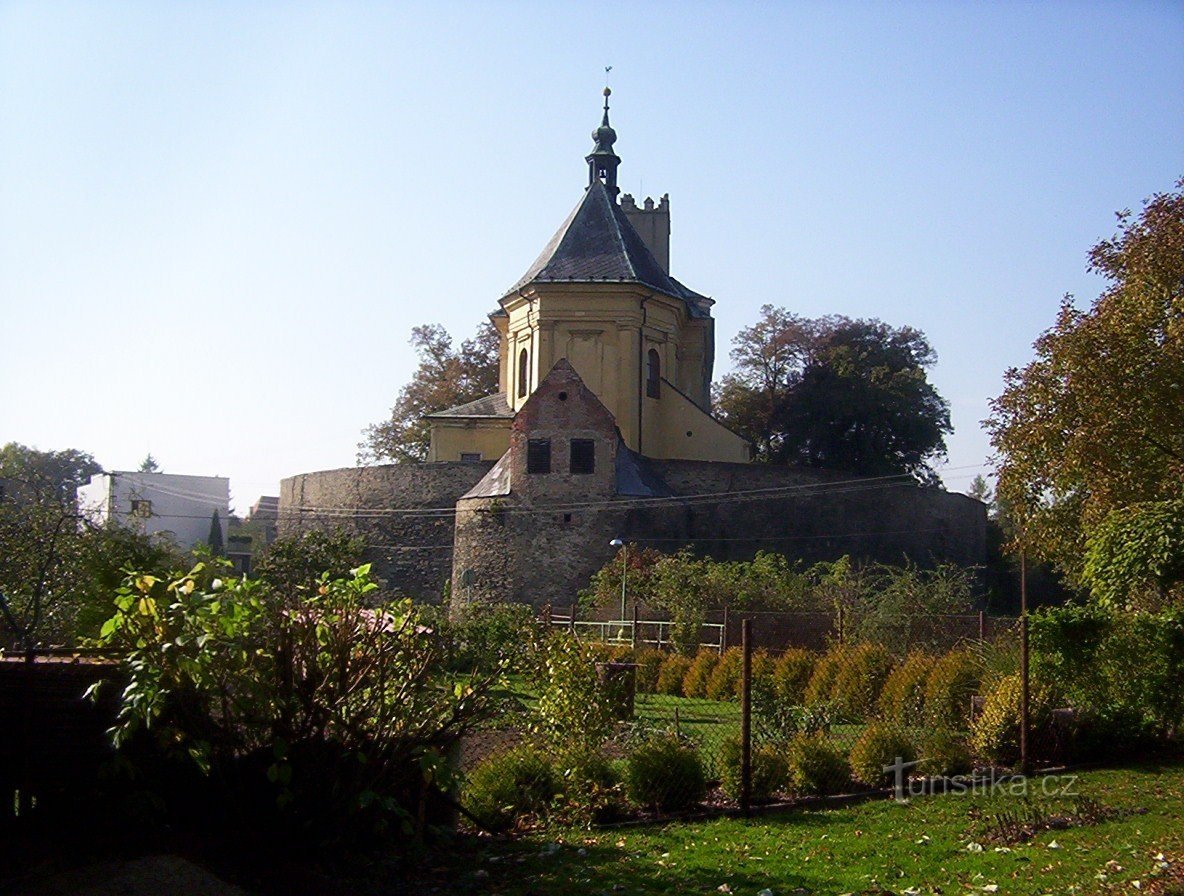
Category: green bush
<point>791,675</point>
<point>762,666</point>
<point>770,770</point>
<point>672,673</point>
<point>826,670</point>
<point>878,747</point>
<point>995,734</point>
<point>953,680</point>
<point>724,683</point>
<point>817,766</point>
<point>703,665</point>
<point>945,752</point>
<point>902,702</point>
<point>511,785</point>
<point>489,635</point>
<point>664,773</point>
<point>860,680</point>
<point>575,709</point>
<point>649,663</point>
<point>589,788</point>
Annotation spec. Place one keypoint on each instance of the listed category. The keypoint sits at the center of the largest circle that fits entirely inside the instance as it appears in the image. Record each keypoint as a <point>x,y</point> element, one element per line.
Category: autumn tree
<point>446,377</point>
<point>1095,423</point>
<point>835,393</point>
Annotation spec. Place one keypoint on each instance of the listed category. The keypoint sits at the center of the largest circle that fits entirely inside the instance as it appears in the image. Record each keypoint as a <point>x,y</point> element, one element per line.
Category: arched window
<point>653,379</point>
<point>523,369</point>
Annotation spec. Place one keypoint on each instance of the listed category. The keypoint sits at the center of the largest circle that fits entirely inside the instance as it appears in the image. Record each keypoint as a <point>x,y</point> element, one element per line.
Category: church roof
<point>597,244</point>
<point>489,406</point>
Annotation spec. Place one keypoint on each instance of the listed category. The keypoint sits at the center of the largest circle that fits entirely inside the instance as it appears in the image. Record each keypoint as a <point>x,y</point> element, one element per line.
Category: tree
<point>445,378</point>
<point>215,541</point>
<point>980,490</point>
<point>295,561</point>
<point>1135,557</point>
<point>149,464</point>
<point>840,394</point>
<point>1095,422</point>
<point>47,474</point>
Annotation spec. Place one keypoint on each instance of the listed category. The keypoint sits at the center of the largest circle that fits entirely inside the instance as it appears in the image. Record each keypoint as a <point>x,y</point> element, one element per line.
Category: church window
<point>653,379</point>
<point>538,455</point>
<point>523,369</point>
<point>583,456</point>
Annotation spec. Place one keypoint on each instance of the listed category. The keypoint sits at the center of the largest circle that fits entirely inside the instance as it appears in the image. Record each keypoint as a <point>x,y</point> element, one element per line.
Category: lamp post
<point>617,543</point>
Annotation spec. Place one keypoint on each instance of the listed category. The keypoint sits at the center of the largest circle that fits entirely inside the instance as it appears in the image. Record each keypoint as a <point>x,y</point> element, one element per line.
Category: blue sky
<point>218,221</point>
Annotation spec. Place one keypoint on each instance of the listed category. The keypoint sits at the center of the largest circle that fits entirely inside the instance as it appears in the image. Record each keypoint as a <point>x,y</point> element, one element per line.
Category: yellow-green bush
<point>770,770</point>
<point>665,773</point>
<point>649,663</point>
<point>826,670</point>
<point>902,702</point>
<point>703,665</point>
<point>791,675</point>
<point>762,665</point>
<point>510,785</point>
<point>724,683</point>
<point>817,766</point>
<point>879,747</point>
<point>671,674</point>
<point>995,734</point>
<point>953,680</point>
<point>945,752</point>
<point>860,680</point>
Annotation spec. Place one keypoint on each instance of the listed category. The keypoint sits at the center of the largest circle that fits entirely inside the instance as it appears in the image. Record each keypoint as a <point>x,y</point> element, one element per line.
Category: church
<point>602,431</point>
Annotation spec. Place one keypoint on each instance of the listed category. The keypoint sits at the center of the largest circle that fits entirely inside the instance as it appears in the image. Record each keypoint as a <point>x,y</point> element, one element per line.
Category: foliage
<point>493,635</point>
<point>1096,422</point>
<point>952,682</point>
<point>446,377</point>
<point>700,672</point>
<point>590,789</point>
<point>902,701</point>
<point>149,464</point>
<point>826,670</point>
<point>664,773</point>
<point>791,675</point>
<point>342,705</point>
<point>881,602</point>
<point>849,395</point>
<point>944,752</point>
<point>510,785</point>
<point>860,679</point>
<point>777,721</point>
<point>45,475</point>
<point>672,674</point>
<point>649,665</point>
<point>725,681</point>
<point>296,562</point>
<point>1135,556</point>
<point>879,747</point>
<point>769,770</point>
<point>573,709</point>
<point>995,733</point>
<point>817,766</point>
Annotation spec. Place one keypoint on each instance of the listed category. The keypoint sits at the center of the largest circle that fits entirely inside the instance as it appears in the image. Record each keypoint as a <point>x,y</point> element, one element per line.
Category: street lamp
<point>617,543</point>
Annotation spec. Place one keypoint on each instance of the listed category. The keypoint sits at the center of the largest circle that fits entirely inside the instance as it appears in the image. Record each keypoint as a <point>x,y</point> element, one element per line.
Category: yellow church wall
<point>678,429</point>
<point>451,438</point>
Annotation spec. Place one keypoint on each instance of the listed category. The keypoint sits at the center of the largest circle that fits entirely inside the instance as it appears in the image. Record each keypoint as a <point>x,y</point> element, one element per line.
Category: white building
<point>181,507</point>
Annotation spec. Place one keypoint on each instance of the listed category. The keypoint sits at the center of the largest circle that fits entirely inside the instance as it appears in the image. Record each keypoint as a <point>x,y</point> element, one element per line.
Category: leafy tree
<point>1096,422</point>
<point>215,541</point>
<point>294,562</point>
<point>445,378</point>
<point>836,393</point>
<point>47,474</point>
<point>1136,556</point>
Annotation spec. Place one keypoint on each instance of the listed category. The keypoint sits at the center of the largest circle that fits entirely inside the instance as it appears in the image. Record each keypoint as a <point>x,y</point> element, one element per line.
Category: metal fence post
<point>634,626</point>
<point>746,717</point>
<point>571,620</point>
<point>1025,683</point>
<point>723,635</point>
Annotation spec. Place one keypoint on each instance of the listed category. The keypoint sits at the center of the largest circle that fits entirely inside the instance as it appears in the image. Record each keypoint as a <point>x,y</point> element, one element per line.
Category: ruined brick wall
<point>410,550</point>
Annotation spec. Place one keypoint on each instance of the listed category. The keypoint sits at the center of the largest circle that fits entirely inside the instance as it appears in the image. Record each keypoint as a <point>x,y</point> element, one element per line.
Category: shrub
<point>826,670</point>
<point>860,679</point>
<point>995,734</point>
<point>488,635</point>
<point>817,766</point>
<point>770,770</point>
<point>664,773</point>
<point>510,785</point>
<point>574,709</point>
<point>879,746</point>
<point>952,682</point>
<point>671,674</point>
<point>944,752</point>
<point>590,788</point>
<point>695,682</point>
<point>762,666</point>
<point>902,702</point>
<point>791,675</point>
<point>649,663</point>
<point>724,683</point>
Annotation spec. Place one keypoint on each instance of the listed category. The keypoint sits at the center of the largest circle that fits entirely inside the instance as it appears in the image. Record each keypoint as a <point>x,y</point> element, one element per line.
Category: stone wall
<point>410,548</point>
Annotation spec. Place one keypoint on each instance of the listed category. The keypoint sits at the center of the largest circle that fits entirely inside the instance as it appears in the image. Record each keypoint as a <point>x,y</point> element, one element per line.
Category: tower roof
<point>597,244</point>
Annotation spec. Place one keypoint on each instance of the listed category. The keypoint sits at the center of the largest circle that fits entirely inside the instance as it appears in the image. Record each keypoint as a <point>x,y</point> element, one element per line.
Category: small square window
<point>583,456</point>
<point>470,457</point>
<point>141,508</point>
<point>538,455</point>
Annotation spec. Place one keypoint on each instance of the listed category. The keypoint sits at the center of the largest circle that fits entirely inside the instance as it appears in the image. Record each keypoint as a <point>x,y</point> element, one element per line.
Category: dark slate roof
<point>489,406</point>
<point>597,244</point>
<point>636,478</point>
<point>493,484</point>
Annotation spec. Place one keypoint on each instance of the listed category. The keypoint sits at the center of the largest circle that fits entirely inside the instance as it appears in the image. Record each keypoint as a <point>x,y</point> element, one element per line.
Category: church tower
<point>600,297</point>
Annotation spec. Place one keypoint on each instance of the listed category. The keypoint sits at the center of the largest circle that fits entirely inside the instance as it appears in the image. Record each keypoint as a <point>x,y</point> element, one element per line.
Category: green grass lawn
<point>933,844</point>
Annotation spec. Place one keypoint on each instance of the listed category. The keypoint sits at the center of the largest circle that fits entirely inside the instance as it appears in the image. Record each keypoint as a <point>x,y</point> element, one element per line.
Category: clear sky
<point>219,221</point>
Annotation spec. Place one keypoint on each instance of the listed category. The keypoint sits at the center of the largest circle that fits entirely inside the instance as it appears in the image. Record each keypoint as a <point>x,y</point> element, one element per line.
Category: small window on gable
<point>523,371</point>
<point>538,455</point>
<point>583,456</point>
<point>653,379</point>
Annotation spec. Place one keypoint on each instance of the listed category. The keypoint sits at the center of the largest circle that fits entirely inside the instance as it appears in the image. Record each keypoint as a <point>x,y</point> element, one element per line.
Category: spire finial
<point>603,162</point>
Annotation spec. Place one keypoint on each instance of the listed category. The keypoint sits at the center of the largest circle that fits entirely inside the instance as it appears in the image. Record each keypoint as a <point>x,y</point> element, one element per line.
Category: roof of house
<point>491,406</point>
<point>597,244</point>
